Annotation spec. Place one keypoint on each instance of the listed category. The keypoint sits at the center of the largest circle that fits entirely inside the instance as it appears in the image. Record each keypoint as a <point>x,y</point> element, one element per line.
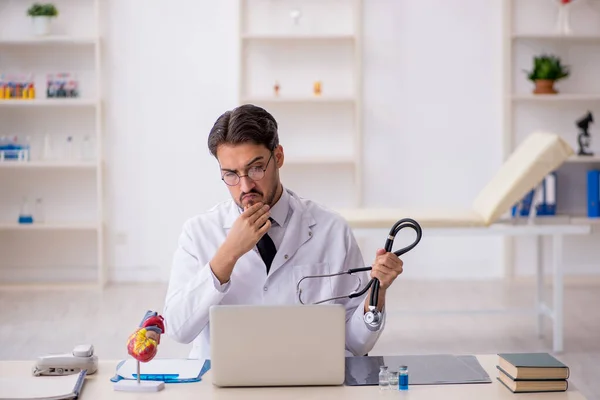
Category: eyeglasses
<point>255,173</point>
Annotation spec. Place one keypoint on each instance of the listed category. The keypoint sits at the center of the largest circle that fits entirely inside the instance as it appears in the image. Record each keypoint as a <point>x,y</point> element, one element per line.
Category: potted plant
<point>41,15</point>
<point>547,69</point>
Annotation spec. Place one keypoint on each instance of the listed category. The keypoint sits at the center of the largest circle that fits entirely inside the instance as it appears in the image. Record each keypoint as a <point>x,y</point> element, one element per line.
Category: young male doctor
<point>257,246</point>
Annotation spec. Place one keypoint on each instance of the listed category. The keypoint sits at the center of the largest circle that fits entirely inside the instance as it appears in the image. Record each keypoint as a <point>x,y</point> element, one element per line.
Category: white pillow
<point>538,155</point>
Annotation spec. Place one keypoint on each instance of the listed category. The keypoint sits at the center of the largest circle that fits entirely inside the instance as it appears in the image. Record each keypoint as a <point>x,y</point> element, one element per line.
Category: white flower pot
<point>41,25</point>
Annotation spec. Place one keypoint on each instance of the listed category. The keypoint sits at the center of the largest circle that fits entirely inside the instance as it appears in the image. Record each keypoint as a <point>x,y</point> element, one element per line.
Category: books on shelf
<point>532,372</point>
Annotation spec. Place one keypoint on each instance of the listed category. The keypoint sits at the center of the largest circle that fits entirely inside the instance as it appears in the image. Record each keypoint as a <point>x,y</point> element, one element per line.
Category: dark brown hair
<point>246,123</point>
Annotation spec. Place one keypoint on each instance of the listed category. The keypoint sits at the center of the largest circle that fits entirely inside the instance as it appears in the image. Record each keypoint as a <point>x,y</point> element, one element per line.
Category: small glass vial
<point>403,377</point>
<point>393,380</point>
<point>384,379</point>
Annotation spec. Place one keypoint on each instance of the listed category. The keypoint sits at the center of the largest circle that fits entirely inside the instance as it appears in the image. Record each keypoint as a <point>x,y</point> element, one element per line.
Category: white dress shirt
<point>310,240</point>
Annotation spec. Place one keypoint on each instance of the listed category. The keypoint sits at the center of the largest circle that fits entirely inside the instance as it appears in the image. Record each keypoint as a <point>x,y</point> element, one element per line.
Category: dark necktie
<point>267,250</point>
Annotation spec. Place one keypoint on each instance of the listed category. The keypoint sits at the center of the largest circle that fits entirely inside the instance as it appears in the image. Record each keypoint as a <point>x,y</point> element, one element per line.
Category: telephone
<point>82,357</point>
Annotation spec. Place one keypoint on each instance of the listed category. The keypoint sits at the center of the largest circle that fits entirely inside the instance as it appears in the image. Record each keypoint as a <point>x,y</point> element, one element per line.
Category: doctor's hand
<point>386,267</point>
<point>248,228</point>
<point>246,231</point>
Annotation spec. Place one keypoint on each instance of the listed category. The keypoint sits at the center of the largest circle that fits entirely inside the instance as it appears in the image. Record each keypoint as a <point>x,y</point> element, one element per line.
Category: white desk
<point>99,386</point>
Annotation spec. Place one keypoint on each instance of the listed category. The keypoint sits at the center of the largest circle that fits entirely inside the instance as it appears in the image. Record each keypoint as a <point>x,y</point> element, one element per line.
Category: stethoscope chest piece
<point>373,319</point>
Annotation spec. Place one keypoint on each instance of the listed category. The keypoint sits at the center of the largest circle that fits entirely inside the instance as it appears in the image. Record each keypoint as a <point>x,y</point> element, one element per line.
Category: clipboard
<point>430,369</point>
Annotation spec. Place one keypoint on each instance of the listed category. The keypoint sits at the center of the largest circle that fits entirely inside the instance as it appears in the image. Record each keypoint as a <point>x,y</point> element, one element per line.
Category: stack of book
<point>532,372</point>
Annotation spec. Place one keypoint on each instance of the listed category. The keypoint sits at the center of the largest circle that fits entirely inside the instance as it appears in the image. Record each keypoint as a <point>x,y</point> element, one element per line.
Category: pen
<point>157,377</point>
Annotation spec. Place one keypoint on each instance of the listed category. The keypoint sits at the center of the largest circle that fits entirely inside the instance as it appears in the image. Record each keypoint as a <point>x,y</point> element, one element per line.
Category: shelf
<point>47,164</point>
<point>298,37</point>
<point>325,160</point>
<point>56,286</point>
<point>584,159</point>
<point>556,37</point>
<point>49,226</point>
<point>385,218</point>
<point>62,40</point>
<point>585,220</point>
<point>556,97</point>
<point>58,102</point>
<point>299,99</point>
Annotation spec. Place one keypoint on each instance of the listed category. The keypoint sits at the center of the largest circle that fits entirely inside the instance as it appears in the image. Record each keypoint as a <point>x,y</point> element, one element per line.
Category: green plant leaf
<point>42,10</point>
<point>548,67</point>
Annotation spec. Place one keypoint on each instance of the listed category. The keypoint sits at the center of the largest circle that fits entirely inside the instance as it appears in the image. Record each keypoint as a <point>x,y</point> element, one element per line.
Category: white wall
<point>170,72</point>
<point>432,103</point>
<point>432,86</point>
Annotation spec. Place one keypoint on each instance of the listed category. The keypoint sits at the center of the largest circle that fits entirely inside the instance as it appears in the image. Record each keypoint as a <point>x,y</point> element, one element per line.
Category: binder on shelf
<point>522,208</point>
<point>593,193</point>
<point>547,204</point>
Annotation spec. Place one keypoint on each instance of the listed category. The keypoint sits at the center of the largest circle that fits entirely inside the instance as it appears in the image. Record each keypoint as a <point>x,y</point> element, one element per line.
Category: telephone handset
<point>82,357</point>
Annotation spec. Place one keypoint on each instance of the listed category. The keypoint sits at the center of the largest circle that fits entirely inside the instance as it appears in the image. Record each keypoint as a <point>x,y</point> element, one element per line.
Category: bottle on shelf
<point>25,216</point>
<point>47,152</point>
<point>38,214</point>
<point>87,152</point>
<point>69,151</point>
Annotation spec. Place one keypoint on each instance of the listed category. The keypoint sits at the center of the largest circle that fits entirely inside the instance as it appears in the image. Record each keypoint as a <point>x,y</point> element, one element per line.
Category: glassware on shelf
<point>25,216</point>
<point>87,152</point>
<point>295,14</point>
<point>69,154</point>
<point>317,88</point>
<point>38,214</point>
<point>48,152</point>
<point>563,21</point>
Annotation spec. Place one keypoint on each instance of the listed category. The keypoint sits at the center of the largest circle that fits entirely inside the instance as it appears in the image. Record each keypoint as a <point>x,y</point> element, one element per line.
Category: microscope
<point>584,137</point>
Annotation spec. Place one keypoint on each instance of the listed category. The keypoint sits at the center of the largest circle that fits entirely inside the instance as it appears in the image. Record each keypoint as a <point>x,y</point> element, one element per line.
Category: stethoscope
<point>373,316</point>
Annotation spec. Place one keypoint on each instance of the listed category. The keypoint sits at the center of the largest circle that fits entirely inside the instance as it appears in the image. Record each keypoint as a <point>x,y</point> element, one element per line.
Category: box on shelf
<point>17,86</point>
<point>62,85</point>
<point>14,149</point>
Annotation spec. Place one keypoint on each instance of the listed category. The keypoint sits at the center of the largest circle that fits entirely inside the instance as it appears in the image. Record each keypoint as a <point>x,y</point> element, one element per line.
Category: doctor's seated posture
<point>257,246</point>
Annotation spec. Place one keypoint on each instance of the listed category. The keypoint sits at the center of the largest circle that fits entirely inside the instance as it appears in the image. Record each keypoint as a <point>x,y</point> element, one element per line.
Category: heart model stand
<point>143,345</point>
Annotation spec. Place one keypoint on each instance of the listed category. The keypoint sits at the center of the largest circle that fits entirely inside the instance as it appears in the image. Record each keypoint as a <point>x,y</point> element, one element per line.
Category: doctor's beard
<point>268,200</point>
<point>251,202</point>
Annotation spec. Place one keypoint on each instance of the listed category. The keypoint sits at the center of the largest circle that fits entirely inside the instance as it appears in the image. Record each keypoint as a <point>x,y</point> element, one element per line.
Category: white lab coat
<point>317,241</point>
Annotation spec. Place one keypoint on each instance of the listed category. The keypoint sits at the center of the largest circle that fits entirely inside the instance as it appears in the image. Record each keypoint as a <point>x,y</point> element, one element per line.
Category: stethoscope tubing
<point>374,282</point>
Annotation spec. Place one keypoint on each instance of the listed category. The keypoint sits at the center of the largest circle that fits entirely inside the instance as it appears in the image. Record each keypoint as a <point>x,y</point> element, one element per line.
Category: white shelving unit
<point>530,29</point>
<point>321,134</point>
<point>66,247</point>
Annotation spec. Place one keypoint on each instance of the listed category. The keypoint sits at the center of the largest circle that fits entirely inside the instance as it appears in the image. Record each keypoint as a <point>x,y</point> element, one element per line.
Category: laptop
<point>277,345</point>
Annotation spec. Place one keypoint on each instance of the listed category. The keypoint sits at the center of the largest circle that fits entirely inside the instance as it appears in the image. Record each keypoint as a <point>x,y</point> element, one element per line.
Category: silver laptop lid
<point>271,345</point>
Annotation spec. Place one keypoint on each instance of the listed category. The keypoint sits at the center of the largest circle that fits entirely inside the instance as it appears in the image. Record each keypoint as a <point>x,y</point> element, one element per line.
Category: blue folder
<point>548,204</point>
<point>593,193</point>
